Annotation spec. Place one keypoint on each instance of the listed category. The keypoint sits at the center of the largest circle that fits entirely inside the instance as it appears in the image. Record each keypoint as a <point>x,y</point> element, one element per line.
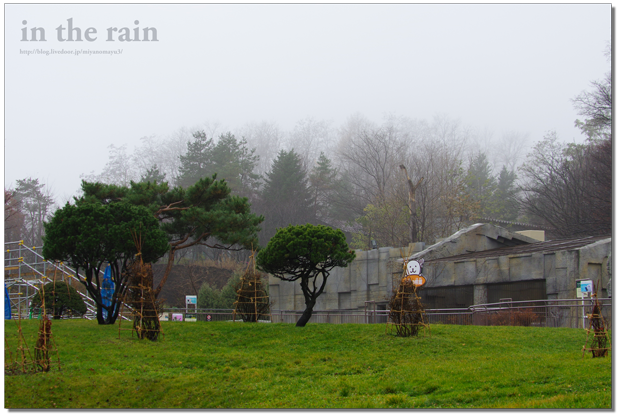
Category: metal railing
<point>570,313</point>
<point>193,314</point>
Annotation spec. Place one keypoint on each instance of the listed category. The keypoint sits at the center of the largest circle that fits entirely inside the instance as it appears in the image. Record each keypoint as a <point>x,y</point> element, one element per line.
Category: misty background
<point>492,79</point>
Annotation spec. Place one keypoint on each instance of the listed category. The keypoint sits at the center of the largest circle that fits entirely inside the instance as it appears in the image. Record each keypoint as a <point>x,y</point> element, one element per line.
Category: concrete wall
<point>370,275</point>
<point>560,270</point>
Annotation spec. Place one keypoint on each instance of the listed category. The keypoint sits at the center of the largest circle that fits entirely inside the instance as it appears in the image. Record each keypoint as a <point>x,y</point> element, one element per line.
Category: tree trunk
<point>305,317</point>
<point>414,226</point>
<point>112,314</point>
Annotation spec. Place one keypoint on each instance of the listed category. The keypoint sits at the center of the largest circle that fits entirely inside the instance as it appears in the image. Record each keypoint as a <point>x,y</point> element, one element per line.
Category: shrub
<point>60,299</point>
<point>210,298</point>
<point>517,317</point>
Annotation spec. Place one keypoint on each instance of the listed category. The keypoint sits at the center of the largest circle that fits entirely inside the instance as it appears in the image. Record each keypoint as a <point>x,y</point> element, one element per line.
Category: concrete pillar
<point>480,294</point>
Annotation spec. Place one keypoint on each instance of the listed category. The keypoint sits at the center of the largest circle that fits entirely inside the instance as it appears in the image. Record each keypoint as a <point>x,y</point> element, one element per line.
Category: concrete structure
<point>553,267</point>
<point>476,265</point>
<point>537,235</point>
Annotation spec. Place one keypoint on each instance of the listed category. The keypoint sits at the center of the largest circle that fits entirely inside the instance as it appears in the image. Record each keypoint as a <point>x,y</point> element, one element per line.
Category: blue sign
<point>586,286</point>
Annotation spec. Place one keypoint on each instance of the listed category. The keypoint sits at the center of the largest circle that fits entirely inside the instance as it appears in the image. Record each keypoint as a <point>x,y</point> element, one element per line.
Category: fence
<point>569,313</point>
<point>193,314</point>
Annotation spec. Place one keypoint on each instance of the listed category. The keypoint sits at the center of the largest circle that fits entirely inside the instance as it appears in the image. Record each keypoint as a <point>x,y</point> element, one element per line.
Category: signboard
<point>412,272</point>
<point>177,317</point>
<point>190,318</point>
<point>584,287</point>
<point>414,267</point>
<point>417,279</point>
<point>164,316</point>
<point>191,300</point>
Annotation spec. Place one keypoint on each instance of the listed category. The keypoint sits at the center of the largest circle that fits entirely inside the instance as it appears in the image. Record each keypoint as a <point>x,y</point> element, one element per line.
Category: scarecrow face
<point>413,267</point>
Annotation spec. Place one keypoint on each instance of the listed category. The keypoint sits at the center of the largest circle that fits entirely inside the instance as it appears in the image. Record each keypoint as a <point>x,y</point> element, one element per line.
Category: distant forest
<point>384,184</point>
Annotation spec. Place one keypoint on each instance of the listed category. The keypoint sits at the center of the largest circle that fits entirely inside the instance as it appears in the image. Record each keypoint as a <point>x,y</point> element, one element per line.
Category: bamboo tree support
<point>22,359</point>
<point>598,345</point>
<point>140,298</point>
<point>45,346</point>
<point>143,310</point>
<point>407,314</point>
<point>44,349</point>
<point>252,303</point>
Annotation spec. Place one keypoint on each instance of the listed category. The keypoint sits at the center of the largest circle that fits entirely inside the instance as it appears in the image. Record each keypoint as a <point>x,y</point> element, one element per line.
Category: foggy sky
<point>497,67</point>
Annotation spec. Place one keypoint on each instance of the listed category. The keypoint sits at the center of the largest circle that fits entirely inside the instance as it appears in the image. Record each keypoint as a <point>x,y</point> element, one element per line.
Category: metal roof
<point>539,247</point>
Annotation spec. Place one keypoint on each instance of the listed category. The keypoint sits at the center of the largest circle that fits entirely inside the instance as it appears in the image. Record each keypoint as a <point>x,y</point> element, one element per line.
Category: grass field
<point>239,366</point>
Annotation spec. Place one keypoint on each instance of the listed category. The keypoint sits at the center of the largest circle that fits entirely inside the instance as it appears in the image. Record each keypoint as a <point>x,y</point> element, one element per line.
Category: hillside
<point>186,280</point>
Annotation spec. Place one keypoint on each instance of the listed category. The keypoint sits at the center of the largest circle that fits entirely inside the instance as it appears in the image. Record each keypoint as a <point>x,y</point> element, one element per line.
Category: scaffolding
<point>26,271</point>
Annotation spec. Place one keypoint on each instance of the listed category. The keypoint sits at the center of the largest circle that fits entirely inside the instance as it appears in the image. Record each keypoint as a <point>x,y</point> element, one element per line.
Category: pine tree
<point>196,163</point>
<point>480,182</point>
<point>286,198</point>
<point>153,175</point>
<point>323,180</point>
<point>36,204</point>
<point>229,158</point>
<point>504,203</point>
<point>234,162</point>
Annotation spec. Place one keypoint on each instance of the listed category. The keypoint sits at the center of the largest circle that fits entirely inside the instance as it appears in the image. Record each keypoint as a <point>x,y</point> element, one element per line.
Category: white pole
<point>583,307</point>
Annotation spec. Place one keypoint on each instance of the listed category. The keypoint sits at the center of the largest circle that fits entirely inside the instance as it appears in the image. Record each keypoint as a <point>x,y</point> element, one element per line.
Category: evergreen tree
<point>323,180</point>
<point>153,175</point>
<point>204,214</point>
<point>88,235</point>
<point>286,198</point>
<point>60,298</point>
<point>235,163</point>
<point>229,158</point>
<point>196,163</point>
<point>36,204</point>
<point>504,204</point>
<point>306,253</point>
<point>210,298</point>
<point>480,184</point>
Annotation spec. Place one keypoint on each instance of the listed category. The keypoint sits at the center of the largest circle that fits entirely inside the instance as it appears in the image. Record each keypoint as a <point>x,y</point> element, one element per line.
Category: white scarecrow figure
<point>414,267</point>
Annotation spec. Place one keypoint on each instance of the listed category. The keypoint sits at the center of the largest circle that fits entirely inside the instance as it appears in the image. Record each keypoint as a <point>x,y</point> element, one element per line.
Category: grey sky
<point>499,67</point>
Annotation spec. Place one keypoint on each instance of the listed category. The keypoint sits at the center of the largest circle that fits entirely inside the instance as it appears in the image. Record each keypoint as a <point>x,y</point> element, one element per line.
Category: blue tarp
<point>7,304</point>
<point>107,289</point>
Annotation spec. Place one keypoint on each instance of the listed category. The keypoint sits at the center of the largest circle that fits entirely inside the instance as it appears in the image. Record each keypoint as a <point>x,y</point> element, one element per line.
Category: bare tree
<point>267,139</point>
<point>36,203</point>
<point>119,169</point>
<point>441,206</point>
<point>370,158</point>
<point>596,106</point>
<point>309,137</point>
<point>13,217</point>
<point>555,188</point>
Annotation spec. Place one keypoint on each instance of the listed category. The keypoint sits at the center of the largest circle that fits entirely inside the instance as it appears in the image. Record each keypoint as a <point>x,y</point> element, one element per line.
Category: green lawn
<point>238,365</point>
